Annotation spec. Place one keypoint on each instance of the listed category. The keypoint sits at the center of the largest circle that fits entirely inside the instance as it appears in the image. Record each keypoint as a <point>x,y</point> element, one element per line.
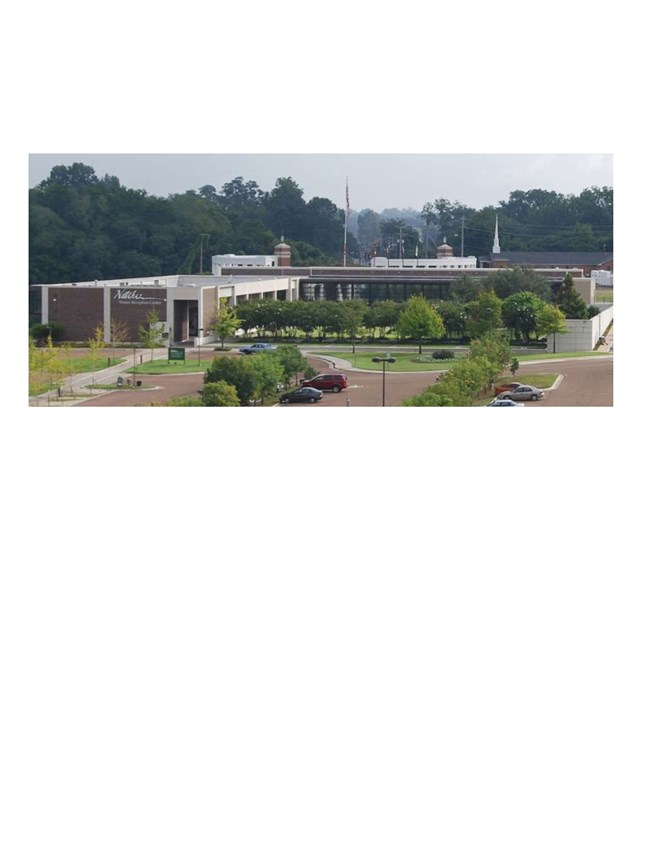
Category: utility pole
<point>462,236</point>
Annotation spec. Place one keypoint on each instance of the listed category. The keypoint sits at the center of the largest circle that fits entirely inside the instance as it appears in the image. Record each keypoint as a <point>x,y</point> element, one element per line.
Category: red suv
<point>327,382</point>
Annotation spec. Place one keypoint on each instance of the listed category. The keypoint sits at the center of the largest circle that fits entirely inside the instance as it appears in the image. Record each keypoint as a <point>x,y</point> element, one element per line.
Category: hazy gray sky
<point>376,181</point>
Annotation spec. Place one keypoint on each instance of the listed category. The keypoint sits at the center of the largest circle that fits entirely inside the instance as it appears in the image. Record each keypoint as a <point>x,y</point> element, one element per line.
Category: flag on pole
<point>345,230</point>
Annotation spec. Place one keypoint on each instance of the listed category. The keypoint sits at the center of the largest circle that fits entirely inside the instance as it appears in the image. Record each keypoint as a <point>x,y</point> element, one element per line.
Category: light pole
<point>385,360</point>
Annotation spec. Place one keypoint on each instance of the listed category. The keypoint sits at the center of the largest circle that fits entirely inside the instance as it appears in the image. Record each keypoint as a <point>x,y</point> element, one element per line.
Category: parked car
<point>500,389</point>
<point>303,394</point>
<point>327,382</point>
<point>524,392</point>
<point>505,401</point>
<point>258,347</point>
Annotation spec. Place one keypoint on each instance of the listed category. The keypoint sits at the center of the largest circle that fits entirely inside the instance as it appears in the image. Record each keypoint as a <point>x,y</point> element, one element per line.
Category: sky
<point>375,180</point>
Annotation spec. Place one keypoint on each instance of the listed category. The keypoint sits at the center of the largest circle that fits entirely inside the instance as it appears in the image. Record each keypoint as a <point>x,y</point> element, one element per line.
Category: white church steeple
<point>496,248</point>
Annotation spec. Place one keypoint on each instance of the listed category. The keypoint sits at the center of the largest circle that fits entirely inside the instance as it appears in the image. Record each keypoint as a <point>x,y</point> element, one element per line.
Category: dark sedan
<point>302,395</point>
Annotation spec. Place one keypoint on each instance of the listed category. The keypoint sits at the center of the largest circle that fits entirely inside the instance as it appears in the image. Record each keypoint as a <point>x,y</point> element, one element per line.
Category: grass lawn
<point>162,366</point>
<point>550,357</point>
<point>405,362</point>
<point>538,380</point>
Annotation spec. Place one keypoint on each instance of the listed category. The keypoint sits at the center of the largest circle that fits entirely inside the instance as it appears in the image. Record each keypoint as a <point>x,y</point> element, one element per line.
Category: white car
<point>505,401</point>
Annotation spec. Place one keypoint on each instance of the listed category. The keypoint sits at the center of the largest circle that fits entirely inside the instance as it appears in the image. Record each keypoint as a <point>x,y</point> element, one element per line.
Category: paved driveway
<point>586,382</point>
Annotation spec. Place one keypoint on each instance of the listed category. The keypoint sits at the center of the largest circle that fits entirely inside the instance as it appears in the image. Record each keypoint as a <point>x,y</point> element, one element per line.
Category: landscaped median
<point>405,361</point>
<point>409,362</point>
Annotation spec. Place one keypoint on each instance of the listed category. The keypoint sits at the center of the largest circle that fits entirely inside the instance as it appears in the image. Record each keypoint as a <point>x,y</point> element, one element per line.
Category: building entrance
<point>186,320</point>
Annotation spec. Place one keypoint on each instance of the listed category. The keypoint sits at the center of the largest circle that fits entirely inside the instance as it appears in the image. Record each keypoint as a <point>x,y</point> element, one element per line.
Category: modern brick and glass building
<point>185,304</point>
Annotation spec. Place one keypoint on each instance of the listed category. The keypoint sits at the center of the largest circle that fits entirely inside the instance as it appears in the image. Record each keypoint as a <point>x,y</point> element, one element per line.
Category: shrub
<point>220,393</point>
<point>443,354</point>
<point>184,401</point>
<point>41,332</point>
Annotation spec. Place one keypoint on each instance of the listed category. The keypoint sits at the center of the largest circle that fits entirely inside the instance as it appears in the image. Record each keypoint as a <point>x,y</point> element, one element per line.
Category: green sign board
<point>176,353</point>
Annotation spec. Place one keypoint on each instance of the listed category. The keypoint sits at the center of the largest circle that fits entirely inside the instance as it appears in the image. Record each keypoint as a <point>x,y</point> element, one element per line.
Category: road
<point>585,381</point>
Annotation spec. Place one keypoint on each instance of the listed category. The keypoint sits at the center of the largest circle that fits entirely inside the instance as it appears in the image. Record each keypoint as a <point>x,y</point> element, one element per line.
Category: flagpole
<point>345,232</point>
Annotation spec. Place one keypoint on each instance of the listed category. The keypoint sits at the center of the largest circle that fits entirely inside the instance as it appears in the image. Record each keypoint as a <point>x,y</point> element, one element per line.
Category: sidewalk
<point>77,388</point>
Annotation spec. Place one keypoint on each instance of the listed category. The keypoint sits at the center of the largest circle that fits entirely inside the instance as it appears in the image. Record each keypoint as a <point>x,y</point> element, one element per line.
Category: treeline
<point>82,227</point>
<point>531,220</point>
<point>515,299</point>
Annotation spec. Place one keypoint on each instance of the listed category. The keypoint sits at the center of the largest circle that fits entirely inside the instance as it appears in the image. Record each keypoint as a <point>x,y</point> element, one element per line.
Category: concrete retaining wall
<point>583,334</point>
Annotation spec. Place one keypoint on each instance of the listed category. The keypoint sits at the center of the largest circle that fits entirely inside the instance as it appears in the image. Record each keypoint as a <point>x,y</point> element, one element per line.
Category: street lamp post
<point>385,360</point>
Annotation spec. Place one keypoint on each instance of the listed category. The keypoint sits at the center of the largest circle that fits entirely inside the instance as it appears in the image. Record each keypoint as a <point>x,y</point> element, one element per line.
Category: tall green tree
<point>324,225</point>
<point>292,361</point>
<point>520,313</point>
<point>520,279</point>
<point>225,322</point>
<point>419,320</point>
<point>151,331</point>
<point>353,315</point>
<point>382,316</point>
<point>550,321</point>
<point>286,209</point>
<point>568,299</point>
<point>484,314</point>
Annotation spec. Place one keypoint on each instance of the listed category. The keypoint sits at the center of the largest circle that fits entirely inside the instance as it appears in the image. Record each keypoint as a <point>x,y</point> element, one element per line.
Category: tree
<point>368,230</point>
<point>286,209</point>
<point>324,224</point>
<point>493,346</point>
<point>521,279</point>
<point>399,238</point>
<point>550,319</point>
<point>484,314</point>
<point>454,316</point>
<point>254,377</point>
<point>419,320</point>
<point>151,331</point>
<point>219,393</point>
<point>520,312</point>
<point>353,315</point>
<point>95,345</point>
<point>465,289</point>
<point>568,299</point>
<point>77,175</point>
<point>236,194</point>
<point>267,373</point>
<point>428,216</point>
<point>224,323</point>
<point>119,334</point>
<point>382,315</point>
<point>291,360</point>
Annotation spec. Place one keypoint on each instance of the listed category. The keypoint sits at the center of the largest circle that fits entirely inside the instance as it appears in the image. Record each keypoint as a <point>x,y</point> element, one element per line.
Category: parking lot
<point>585,382</point>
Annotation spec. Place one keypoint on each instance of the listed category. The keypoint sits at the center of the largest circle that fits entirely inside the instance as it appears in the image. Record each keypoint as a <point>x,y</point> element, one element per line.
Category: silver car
<point>505,401</point>
<point>523,392</point>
